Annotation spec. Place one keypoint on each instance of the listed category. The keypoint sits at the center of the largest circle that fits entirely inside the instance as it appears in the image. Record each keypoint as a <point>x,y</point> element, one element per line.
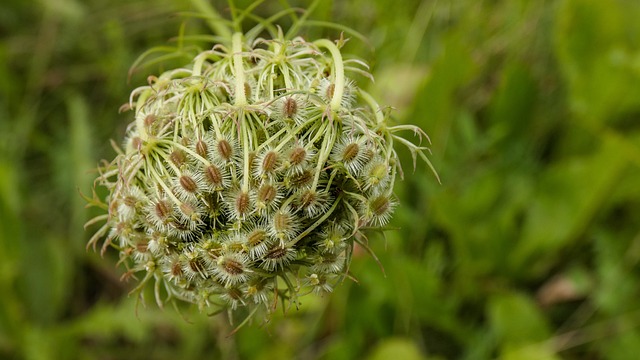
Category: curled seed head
<point>284,224</point>
<point>308,198</point>
<point>379,209</point>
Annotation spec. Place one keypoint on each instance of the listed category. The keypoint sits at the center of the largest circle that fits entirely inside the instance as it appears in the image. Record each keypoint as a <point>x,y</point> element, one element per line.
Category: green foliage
<point>529,248</point>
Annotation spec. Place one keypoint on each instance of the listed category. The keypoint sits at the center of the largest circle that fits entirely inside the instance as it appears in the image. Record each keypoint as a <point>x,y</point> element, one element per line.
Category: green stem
<point>214,19</point>
<point>142,132</point>
<point>241,98</point>
<point>338,72</point>
<point>247,166</point>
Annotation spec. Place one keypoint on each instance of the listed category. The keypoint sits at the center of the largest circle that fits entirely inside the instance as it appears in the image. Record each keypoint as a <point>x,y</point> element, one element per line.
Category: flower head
<point>254,167</point>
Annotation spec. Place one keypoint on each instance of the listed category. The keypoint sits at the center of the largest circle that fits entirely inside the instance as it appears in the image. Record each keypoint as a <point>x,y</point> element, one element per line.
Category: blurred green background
<point>529,248</point>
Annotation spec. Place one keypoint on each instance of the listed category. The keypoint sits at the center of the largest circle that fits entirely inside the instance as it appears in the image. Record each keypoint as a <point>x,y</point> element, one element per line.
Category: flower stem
<point>338,66</point>
<point>241,98</point>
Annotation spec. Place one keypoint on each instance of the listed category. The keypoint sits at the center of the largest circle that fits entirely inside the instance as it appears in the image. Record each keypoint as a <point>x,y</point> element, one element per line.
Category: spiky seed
<point>247,90</point>
<point>231,266</point>
<point>330,90</point>
<point>163,210</point>
<point>302,179</point>
<point>188,183</point>
<point>379,205</point>
<point>150,120</point>
<point>269,161</point>
<point>276,253</point>
<point>130,201</point>
<point>178,157</point>
<point>242,203</point>
<point>267,193</point>
<point>202,148</point>
<point>289,107</point>
<point>225,150</point>
<point>256,237</point>
<point>136,143</point>
<point>176,269</point>
<point>213,175</point>
<point>297,155</point>
<point>308,198</point>
<point>350,152</point>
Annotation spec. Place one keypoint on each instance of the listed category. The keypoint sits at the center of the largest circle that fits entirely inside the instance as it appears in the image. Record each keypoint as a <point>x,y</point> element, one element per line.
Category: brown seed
<point>188,183</point>
<point>187,209</point>
<point>297,156</point>
<point>379,205</point>
<point>350,152</point>
<point>178,157</point>
<point>163,210</point>
<point>242,203</point>
<point>282,221</point>
<point>213,175</point>
<point>302,179</point>
<point>256,237</point>
<point>201,148</point>
<point>149,120</point>
<point>247,90</point>
<point>290,107</point>
<point>225,150</point>
<point>267,193</point>
<point>176,269</point>
<point>234,293</point>
<point>308,198</point>
<point>330,90</point>
<point>269,162</point>
<point>142,247</point>
<point>232,267</point>
<point>196,265</point>
<point>276,253</point>
<point>130,201</point>
<point>136,142</point>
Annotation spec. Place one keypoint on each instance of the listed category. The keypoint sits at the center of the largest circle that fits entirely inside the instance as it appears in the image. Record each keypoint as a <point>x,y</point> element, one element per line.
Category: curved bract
<point>248,175</point>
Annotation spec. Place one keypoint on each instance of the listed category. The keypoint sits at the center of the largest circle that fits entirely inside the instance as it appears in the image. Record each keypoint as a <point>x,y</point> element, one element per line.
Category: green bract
<point>248,175</point>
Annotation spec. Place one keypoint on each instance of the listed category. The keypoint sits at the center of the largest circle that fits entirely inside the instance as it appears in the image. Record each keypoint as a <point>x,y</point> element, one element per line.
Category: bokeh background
<point>529,248</point>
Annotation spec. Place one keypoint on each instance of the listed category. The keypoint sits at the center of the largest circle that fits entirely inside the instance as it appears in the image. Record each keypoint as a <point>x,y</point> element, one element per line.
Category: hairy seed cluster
<point>247,176</point>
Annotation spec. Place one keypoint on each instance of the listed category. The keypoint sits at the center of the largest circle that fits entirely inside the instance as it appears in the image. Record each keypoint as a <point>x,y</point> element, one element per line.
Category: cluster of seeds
<point>248,175</point>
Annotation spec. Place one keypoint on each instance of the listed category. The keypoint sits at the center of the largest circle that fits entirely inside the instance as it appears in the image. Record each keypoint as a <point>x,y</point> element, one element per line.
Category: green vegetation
<point>529,248</point>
